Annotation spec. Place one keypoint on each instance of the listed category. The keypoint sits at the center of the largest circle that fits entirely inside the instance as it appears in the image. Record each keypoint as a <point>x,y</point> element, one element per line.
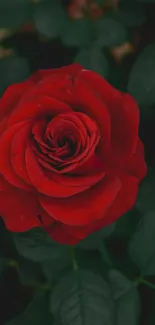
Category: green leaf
<point>13,69</point>
<point>54,268</point>
<point>82,298</point>
<point>37,246</point>
<point>99,2</point>
<point>126,296</point>
<point>145,200</point>
<point>30,273</point>
<point>126,224</point>
<point>14,2</point>
<point>110,32</point>
<point>77,33</point>
<point>142,244</point>
<point>94,240</point>
<point>15,13</point>
<point>142,77</point>
<point>146,1</point>
<point>50,18</point>
<point>93,59</point>
<point>36,313</point>
<point>132,14</point>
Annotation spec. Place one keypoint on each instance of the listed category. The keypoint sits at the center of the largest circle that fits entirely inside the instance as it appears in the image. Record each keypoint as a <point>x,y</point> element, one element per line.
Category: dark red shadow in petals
<point>20,209</point>
<point>86,180</point>
<point>92,166</point>
<point>71,70</point>
<point>136,165</point>
<point>6,168</point>
<point>18,148</point>
<point>86,101</point>
<point>124,202</point>
<point>45,185</point>
<point>81,209</point>
<point>44,106</point>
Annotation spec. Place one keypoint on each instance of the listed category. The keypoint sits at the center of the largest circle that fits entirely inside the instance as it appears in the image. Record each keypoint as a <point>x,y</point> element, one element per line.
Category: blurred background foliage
<point>115,38</point>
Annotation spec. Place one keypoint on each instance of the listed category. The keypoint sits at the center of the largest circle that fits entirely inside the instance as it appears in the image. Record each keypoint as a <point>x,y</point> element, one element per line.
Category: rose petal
<point>109,95</point>
<point>57,233</point>
<point>12,96</point>
<point>123,110</point>
<point>85,100</point>
<point>44,107</point>
<point>18,147</point>
<point>83,208</point>
<point>72,70</point>
<point>124,202</point>
<point>6,168</point>
<point>136,165</point>
<point>43,183</point>
<point>20,210</point>
<point>87,179</point>
<point>124,127</point>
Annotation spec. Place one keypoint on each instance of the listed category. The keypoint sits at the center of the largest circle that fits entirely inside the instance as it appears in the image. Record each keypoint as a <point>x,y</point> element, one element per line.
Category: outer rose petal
<point>18,148</point>
<point>12,96</point>
<point>124,127</point>
<point>110,95</point>
<point>45,106</point>
<point>124,202</point>
<point>123,112</point>
<point>72,235</point>
<point>20,209</point>
<point>86,101</point>
<point>136,165</point>
<point>57,233</point>
<point>83,208</point>
<point>5,164</point>
<point>72,70</point>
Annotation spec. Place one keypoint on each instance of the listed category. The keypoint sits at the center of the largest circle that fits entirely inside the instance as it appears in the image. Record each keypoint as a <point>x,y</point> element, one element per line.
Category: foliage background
<point>109,278</point>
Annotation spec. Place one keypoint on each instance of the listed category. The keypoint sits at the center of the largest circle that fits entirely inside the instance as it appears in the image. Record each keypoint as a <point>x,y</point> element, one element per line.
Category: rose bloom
<point>71,159</point>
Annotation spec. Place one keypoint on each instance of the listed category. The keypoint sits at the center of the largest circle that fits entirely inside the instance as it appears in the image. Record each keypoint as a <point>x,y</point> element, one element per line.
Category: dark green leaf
<point>145,201</point>
<point>126,224</point>
<point>110,32</point>
<point>142,244</point>
<point>13,69</point>
<point>37,246</point>
<point>14,14</point>
<point>142,77</point>
<point>3,264</point>
<point>82,298</point>
<point>50,18</point>
<point>30,273</point>
<point>93,59</point>
<point>54,268</point>
<point>93,241</point>
<point>14,2</point>
<point>146,1</point>
<point>126,298</point>
<point>36,313</point>
<point>77,33</point>
<point>99,2</point>
<point>132,14</point>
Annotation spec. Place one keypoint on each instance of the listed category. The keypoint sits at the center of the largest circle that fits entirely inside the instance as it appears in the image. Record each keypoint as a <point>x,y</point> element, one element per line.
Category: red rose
<point>71,159</point>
